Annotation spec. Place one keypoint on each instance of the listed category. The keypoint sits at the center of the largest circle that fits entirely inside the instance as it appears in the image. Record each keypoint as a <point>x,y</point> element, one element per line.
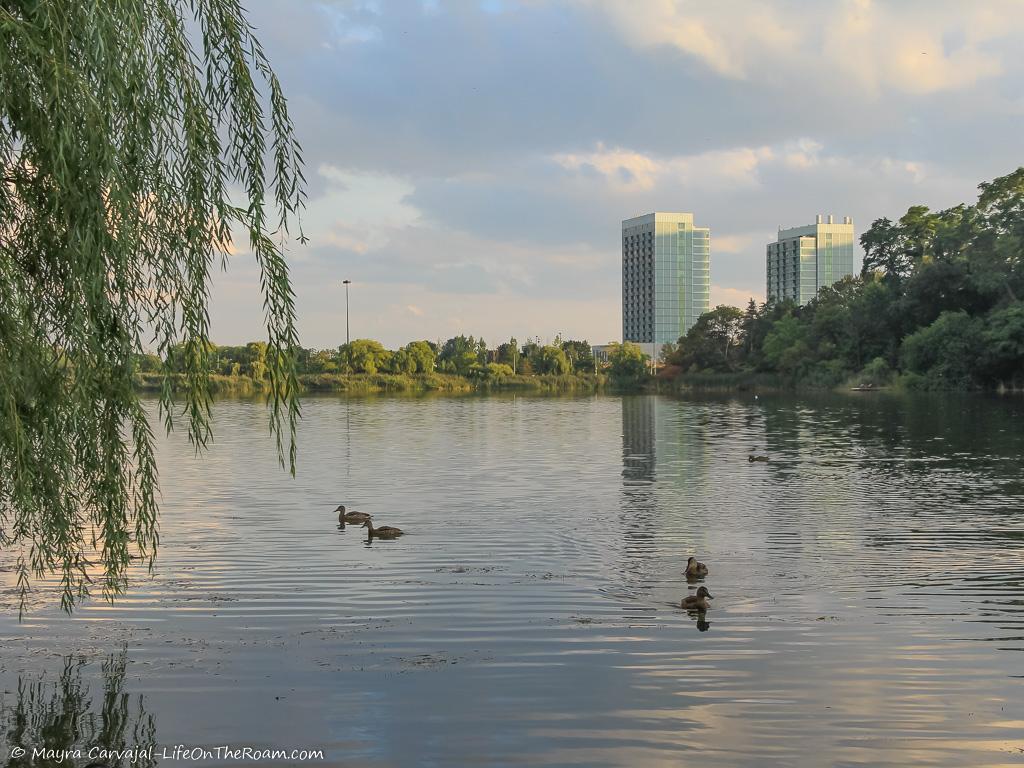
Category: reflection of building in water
<point>663,440</point>
<point>670,434</point>
<point>664,480</point>
<point>638,439</point>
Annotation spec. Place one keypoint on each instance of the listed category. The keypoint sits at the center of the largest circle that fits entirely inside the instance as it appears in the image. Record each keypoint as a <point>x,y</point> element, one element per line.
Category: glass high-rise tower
<point>666,277</point>
<point>803,260</point>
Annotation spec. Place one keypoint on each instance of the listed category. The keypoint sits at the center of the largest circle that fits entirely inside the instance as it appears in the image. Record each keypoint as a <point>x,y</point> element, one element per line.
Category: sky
<point>469,163</point>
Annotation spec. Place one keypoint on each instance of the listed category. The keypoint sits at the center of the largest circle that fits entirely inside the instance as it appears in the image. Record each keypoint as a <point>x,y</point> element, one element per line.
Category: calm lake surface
<point>869,585</point>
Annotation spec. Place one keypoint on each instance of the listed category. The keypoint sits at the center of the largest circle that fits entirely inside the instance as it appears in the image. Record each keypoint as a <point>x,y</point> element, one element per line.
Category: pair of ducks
<point>384,532</point>
<point>698,602</point>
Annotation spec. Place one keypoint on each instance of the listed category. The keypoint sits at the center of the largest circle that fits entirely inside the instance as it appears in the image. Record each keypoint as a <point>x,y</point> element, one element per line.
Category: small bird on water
<point>698,602</point>
<point>693,568</point>
<point>351,517</point>
<point>752,458</point>
<point>384,532</point>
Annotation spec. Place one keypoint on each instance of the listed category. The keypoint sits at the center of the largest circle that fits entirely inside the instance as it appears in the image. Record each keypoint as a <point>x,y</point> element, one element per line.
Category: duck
<point>351,517</point>
<point>384,532</point>
<point>752,458</point>
<point>698,602</point>
<point>693,568</point>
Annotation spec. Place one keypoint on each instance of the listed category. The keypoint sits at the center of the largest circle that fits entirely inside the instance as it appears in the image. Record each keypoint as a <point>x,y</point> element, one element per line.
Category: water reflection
<point>57,717</point>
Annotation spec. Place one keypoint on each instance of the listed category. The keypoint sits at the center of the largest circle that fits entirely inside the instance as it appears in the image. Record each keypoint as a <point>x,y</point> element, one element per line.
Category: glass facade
<point>666,277</point>
<point>806,259</point>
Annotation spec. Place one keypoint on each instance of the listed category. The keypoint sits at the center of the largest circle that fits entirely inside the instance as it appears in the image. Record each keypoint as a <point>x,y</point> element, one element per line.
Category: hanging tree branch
<point>128,157</point>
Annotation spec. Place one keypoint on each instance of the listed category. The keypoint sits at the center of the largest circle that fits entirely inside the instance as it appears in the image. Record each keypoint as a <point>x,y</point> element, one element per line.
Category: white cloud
<point>737,243</point>
<point>735,297</point>
<point>358,210</point>
<point>630,171</point>
<point>905,47</point>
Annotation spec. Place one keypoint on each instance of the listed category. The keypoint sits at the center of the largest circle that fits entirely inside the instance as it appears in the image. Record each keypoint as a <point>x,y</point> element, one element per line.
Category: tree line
<point>938,305</point>
<point>460,355</point>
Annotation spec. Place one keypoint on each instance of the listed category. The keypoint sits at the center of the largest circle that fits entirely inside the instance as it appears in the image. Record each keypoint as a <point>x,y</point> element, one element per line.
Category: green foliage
<point>495,370</point>
<point>363,356</point>
<point>509,354</point>
<point>579,354</point>
<point>946,353</point>
<point>714,343</point>
<point>876,373</point>
<point>460,354</point>
<point>133,143</point>
<point>550,359</point>
<point>422,356</point>
<point>1003,341</point>
<point>627,363</point>
<point>786,347</point>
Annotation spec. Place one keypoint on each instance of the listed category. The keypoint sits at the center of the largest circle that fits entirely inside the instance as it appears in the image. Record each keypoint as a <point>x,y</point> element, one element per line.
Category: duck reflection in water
<point>699,602</point>
<point>697,606</point>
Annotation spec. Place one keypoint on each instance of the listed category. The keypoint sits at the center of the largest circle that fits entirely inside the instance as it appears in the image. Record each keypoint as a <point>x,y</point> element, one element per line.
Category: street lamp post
<point>346,283</point>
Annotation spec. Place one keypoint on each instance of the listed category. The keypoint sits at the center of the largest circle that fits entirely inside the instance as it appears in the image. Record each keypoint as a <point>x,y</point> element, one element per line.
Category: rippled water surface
<point>868,583</point>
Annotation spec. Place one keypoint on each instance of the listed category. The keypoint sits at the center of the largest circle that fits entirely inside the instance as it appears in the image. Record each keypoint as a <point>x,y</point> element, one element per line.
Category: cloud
<point>735,297</point>
<point>356,210</point>
<point>907,47</point>
<point>631,171</point>
<point>724,41</point>
<point>888,46</point>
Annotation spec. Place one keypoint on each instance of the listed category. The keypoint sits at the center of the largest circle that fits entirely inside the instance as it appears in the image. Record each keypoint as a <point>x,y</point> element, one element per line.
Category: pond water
<point>868,584</point>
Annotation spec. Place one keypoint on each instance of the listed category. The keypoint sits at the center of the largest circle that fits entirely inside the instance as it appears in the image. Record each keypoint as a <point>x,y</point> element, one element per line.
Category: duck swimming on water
<point>384,532</point>
<point>752,458</point>
<point>351,517</point>
<point>693,568</point>
<point>698,602</point>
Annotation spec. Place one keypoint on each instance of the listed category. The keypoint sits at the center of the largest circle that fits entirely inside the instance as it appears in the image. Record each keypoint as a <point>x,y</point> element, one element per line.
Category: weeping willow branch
<point>136,136</point>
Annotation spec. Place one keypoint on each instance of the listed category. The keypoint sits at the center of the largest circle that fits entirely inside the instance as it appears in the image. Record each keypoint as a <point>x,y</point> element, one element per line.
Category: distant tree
<point>786,347</point>
<point>1003,344</point>
<point>423,355</point>
<point>508,353</point>
<point>712,342</point>
<point>147,363</point>
<point>627,362</point>
<point>458,355</point>
<point>257,368</point>
<point>531,346</point>
<point>364,356</point>
<point>497,370</point>
<point>998,243</point>
<point>550,359</point>
<point>947,353</point>
<point>581,356</point>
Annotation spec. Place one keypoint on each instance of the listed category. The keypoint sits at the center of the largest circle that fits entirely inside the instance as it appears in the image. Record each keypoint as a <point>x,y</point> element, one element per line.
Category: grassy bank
<point>367,383</point>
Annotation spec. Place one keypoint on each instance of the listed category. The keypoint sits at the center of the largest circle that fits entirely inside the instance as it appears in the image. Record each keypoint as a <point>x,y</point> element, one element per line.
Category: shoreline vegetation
<point>463,364</point>
<point>395,383</point>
